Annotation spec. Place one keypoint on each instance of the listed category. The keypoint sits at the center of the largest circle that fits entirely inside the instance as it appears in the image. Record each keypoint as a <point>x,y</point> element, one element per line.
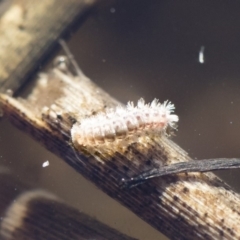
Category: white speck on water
<point>201,55</point>
<point>45,164</point>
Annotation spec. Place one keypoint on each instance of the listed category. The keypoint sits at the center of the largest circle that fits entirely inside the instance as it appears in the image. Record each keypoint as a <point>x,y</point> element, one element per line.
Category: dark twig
<point>204,165</point>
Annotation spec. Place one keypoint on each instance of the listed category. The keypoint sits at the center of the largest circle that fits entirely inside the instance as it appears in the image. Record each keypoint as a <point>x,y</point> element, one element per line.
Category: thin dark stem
<point>205,165</point>
<point>70,57</point>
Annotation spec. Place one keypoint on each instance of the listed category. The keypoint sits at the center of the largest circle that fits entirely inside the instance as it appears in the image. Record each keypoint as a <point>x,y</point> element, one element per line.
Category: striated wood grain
<point>29,31</point>
<point>183,206</point>
<point>29,213</point>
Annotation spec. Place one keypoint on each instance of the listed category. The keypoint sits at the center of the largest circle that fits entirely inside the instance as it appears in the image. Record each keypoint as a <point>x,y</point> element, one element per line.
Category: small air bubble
<point>201,55</point>
<point>45,164</point>
<point>9,92</point>
<point>112,10</point>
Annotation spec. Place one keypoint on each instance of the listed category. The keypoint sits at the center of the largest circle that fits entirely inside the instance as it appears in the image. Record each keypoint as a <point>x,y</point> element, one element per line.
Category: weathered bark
<point>29,30</point>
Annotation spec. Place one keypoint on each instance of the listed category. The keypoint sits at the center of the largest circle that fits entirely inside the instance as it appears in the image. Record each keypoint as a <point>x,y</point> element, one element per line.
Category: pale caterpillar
<point>121,122</point>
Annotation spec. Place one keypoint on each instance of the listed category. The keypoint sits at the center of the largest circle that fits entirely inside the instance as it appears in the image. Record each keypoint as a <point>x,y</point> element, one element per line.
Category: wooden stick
<point>29,31</point>
<point>37,214</point>
<point>183,206</point>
